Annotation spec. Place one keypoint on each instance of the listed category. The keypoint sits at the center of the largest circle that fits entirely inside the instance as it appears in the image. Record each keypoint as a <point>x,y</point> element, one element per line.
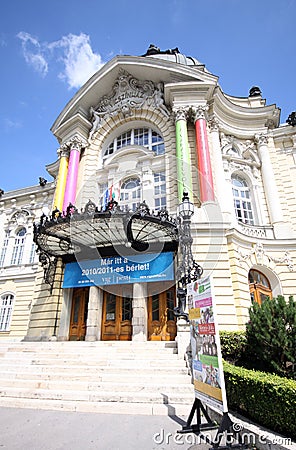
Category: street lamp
<point>188,270</point>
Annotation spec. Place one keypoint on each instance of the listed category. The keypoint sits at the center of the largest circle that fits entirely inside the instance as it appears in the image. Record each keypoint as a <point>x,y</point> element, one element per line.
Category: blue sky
<point>50,48</point>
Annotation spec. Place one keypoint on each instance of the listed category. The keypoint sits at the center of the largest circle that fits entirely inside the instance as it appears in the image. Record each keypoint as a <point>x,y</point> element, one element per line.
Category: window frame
<point>258,289</point>
<point>154,141</point>
<point>6,311</point>
<point>243,214</point>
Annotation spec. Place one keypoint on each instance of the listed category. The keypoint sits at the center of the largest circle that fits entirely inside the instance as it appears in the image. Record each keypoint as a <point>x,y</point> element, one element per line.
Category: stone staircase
<point>104,377</point>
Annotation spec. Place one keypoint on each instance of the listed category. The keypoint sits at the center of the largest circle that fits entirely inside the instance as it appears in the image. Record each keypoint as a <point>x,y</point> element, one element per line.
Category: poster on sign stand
<point>207,365</point>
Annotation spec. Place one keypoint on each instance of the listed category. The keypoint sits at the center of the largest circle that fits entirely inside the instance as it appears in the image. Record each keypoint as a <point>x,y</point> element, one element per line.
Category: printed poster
<point>207,368</point>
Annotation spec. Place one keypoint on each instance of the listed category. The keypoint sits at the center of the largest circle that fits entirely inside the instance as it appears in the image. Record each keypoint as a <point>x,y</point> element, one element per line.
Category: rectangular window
<point>159,191</point>
<point>6,305</point>
<point>4,248</point>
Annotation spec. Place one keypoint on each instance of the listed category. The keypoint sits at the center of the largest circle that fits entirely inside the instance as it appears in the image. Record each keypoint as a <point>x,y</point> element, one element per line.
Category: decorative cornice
<point>127,95</point>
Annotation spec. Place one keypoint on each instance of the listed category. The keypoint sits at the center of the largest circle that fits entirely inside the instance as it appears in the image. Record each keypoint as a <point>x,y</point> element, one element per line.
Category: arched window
<point>6,305</point>
<point>242,200</point>
<point>18,249</point>
<point>259,285</point>
<point>145,137</point>
<point>130,194</point>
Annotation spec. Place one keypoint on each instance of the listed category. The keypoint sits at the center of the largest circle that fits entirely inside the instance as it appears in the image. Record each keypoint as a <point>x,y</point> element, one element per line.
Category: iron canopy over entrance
<point>81,234</point>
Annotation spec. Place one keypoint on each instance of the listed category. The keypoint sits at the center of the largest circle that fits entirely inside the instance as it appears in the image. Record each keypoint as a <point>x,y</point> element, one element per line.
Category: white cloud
<point>33,53</point>
<point>12,124</point>
<point>80,62</point>
<point>73,51</point>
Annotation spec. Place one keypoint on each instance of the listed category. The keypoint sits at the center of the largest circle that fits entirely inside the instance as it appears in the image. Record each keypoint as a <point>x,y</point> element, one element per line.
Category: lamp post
<point>188,270</point>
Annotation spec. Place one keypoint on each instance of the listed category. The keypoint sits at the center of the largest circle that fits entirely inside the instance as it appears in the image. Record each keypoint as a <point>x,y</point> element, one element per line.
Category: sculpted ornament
<point>260,253</point>
<point>127,95</point>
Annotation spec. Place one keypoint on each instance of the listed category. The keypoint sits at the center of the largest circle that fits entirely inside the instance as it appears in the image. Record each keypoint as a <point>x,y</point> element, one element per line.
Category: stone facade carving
<point>260,253</point>
<point>128,94</point>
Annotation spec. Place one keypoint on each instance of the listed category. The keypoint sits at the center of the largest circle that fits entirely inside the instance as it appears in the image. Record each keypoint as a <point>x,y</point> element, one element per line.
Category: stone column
<point>270,188</point>
<point>140,317</point>
<point>183,154</point>
<point>75,146</point>
<point>203,155</point>
<point>223,191</point>
<point>94,314</point>
<point>62,178</point>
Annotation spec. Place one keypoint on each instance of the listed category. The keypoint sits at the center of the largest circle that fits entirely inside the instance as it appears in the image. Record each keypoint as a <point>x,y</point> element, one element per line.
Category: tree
<point>271,336</point>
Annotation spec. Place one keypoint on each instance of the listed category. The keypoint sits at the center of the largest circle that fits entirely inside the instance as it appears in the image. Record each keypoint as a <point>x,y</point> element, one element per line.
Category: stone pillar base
<point>183,338</point>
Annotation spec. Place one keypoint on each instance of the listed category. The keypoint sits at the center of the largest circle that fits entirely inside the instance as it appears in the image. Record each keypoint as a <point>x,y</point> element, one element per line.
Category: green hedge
<point>233,344</point>
<point>267,399</point>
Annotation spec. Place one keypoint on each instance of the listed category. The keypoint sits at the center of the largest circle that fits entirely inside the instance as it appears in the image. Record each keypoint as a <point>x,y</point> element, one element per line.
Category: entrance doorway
<point>117,317</point>
<point>78,314</point>
<point>161,319</point>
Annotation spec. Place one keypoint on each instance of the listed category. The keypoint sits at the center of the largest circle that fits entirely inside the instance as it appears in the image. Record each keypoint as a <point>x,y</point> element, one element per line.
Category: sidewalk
<point>28,429</point>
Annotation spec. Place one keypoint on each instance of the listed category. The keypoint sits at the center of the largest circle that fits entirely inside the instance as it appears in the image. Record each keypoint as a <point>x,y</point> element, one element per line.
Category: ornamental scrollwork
<point>127,95</point>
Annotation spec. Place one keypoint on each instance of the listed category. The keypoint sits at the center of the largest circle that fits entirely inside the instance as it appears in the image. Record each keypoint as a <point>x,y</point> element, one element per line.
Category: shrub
<point>271,336</point>
<point>267,399</point>
<point>233,345</point>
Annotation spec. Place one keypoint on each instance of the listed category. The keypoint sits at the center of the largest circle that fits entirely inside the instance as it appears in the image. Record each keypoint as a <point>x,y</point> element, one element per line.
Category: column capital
<point>75,143</point>
<point>181,113</point>
<point>261,139</point>
<point>63,151</point>
<point>214,123</point>
<point>199,112</point>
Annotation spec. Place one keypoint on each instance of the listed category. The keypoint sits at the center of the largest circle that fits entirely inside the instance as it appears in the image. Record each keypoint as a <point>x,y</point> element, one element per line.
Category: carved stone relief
<point>260,254</point>
<point>127,95</point>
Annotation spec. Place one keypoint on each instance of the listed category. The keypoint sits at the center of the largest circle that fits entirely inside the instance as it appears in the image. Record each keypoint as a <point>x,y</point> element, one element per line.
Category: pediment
<point>148,73</point>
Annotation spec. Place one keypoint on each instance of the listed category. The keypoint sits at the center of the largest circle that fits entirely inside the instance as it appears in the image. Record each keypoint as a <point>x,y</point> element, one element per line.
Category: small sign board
<point>207,368</point>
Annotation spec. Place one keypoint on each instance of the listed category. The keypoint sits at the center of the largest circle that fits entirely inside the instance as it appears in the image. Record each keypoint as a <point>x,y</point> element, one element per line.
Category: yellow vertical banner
<point>61,183</point>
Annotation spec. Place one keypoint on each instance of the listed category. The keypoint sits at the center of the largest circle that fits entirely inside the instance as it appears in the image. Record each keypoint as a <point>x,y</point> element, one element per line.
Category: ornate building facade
<point>141,132</point>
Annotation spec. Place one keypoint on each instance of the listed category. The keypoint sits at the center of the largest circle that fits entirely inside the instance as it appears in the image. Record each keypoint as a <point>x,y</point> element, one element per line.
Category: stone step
<point>76,345</point>
<point>102,376</point>
<point>163,397</point>
<point>26,355</point>
<point>95,369</point>
<point>100,407</point>
<point>95,376</point>
<point>152,386</point>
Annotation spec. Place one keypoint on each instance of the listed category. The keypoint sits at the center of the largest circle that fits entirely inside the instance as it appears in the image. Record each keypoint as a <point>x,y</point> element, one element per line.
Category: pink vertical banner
<point>204,162</point>
<point>72,176</point>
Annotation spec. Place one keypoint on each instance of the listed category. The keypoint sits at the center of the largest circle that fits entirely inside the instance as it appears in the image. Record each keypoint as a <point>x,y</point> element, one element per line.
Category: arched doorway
<point>259,285</point>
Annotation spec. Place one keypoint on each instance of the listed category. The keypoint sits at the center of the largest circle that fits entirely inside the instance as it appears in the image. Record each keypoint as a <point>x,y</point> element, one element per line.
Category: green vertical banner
<point>183,159</point>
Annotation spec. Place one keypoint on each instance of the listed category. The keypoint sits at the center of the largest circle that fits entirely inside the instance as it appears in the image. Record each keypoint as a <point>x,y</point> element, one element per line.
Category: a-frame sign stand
<point>233,439</point>
<point>199,408</point>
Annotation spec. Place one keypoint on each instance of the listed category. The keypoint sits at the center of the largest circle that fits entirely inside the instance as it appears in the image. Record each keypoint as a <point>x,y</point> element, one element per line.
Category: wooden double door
<point>117,317</point>
<point>78,318</point>
<point>161,319</point>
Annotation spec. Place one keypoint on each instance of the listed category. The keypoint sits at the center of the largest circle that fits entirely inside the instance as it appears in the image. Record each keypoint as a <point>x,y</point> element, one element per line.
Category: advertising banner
<point>207,366</point>
<point>120,270</point>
